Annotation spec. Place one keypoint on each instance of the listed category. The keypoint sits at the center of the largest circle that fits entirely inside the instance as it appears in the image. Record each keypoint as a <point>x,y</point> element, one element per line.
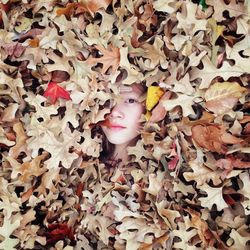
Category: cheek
<point>135,116</point>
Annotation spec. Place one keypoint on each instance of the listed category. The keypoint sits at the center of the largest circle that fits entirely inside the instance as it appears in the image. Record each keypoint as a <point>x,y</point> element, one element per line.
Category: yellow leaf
<point>147,115</point>
<point>153,96</point>
<point>222,96</point>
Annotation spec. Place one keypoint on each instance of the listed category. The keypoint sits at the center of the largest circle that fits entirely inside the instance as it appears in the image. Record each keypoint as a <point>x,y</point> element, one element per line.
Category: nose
<point>117,112</point>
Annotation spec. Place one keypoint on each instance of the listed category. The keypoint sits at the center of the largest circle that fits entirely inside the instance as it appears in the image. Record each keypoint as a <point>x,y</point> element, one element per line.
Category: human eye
<point>131,100</point>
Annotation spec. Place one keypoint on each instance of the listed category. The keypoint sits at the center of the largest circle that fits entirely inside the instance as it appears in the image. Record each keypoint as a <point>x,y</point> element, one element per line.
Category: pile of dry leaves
<point>187,185</point>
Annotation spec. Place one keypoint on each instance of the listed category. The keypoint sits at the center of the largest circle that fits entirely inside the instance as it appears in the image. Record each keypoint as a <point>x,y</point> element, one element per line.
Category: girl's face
<point>122,124</point>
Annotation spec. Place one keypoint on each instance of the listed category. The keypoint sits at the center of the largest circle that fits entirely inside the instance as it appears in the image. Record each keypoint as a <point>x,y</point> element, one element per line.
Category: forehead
<point>130,89</point>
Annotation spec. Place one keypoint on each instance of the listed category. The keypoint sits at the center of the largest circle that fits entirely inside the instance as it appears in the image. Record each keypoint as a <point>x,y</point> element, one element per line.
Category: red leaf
<point>54,91</point>
<point>59,231</point>
<point>228,199</point>
<point>173,163</point>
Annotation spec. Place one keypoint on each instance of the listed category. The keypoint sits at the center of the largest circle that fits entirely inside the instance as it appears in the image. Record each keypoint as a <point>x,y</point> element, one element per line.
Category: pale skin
<point>124,121</point>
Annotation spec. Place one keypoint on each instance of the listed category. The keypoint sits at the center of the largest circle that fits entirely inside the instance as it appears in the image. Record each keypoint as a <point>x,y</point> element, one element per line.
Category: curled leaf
<point>153,96</point>
<point>213,137</point>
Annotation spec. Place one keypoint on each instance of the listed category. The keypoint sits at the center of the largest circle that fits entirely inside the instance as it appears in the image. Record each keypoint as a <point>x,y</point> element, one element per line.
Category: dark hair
<point>107,148</point>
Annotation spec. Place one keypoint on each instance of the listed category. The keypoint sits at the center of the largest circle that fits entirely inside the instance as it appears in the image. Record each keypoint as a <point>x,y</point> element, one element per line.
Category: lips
<point>109,124</point>
<point>116,126</point>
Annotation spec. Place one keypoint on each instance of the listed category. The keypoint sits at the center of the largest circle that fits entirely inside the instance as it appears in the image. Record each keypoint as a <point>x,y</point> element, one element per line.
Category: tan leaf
<point>214,196</point>
<point>221,97</point>
<point>188,20</point>
<point>235,8</point>
<point>201,173</point>
<point>110,58</point>
<point>21,138</point>
<point>185,101</point>
<point>209,72</point>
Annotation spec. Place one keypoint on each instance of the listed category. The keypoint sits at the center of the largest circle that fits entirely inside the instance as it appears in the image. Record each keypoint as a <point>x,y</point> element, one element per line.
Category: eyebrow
<point>125,89</point>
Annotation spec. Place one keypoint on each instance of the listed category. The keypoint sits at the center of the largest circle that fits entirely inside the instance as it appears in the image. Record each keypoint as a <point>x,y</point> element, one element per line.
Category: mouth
<point>111,125</point>
<point>116,126</point>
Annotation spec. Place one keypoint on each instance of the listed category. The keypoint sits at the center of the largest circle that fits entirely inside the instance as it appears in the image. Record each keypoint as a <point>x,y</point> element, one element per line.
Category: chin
<point>115,139</point>
<point>117,142</point>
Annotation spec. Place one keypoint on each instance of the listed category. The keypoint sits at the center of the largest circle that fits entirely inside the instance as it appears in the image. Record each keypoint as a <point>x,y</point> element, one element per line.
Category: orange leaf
<point>67,11</point>
<point>91,6</point>
<point>54,91</point>
<point>34,43</point>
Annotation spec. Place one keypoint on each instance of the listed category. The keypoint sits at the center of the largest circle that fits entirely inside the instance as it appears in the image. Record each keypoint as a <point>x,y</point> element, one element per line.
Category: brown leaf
<point>59,76</point>
<point>213,137</point>
<point>21,138</point>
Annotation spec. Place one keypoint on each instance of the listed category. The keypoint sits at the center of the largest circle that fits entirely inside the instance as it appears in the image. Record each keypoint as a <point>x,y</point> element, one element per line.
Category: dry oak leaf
<point>155,183</point>
<point>42,111</point>
<point>213,137</point>
<point>15,87</point>
<point>168,6</point>
<point>91,6</point>
<point>214,196</point>
<point>229,163</point>
<point>139,151</point>
<point>29,168</point>
<point>13,49</point>
<point>94,5</point>
<point>21,138</point>
<point>135,230</point>
<point>110,58</point>
<point>209,72</point>
<point>222,96</point>
<point>240,242</point>
<point>245,190</point>
<point>187,19</point>
<point>240,54</point>
<point>6,231</point>
<point>234,8</point>
<point>185,101</point>
<point>169,216</point>
<point>54,91</point>
<point>8,206</point>
<point>185,236</point>
<point>4,140</point>
<point>49,181</point>
<point>165,242</point>
<point>201,226</point>
<point>154,53</point>
<point>57,145</point>
<point>98,225</point>
<point>201,173</point>
<point>147,18</point>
